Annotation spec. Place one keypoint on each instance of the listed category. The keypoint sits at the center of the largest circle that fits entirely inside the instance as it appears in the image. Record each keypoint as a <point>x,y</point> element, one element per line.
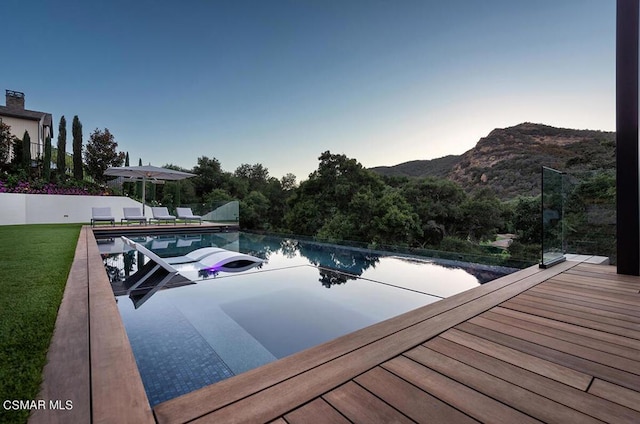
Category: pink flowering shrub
<point>81,188</point>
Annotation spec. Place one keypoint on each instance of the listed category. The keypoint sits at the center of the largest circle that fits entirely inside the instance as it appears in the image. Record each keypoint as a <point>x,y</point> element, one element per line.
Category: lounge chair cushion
<point>133,214</point>
<point>186,213</point>
<point>101,214</point>
<point>162,214</point>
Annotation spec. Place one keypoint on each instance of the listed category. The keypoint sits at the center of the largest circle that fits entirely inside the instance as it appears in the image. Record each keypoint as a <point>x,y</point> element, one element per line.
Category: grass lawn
<point>34,264</point>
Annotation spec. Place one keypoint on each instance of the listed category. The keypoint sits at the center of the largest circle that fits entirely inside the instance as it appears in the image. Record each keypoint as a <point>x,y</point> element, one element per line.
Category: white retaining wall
<point>17,208</point>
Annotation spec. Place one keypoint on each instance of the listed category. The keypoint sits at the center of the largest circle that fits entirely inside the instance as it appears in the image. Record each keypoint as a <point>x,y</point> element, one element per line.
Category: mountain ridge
<point>508,160</point>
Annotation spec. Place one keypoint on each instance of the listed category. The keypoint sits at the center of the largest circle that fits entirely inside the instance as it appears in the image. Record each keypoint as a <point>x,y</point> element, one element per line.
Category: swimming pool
<point>219,324</point>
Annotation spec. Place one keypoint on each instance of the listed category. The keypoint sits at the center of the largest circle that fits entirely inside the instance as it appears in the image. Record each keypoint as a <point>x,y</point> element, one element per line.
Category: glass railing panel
<point>221,212</point>
<point>553,194</point>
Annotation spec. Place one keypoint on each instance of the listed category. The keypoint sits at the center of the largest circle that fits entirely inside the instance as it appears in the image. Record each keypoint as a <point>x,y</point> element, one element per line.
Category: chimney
<point>15,99</point>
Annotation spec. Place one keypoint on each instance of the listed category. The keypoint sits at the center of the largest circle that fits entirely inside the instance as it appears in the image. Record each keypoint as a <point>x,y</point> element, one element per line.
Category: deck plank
<point>524,360</point>
<point>595,369</point>
<point>607,283</point>
<point>606,311</point>
<point>572,328</point>
<point>593,294</point>
<point>317,411</point>
<point>546,292</point>
<point>473,403</point>
<point>360,406</point>
<point>407,398</point>
<point>574,398</point>
<point>526,401</point>
<point>617,394</point>
<point>507,326</point>
<point>590,322</point>
<point>588,338</point>
<point>549,286</point>
<point>589,314</point>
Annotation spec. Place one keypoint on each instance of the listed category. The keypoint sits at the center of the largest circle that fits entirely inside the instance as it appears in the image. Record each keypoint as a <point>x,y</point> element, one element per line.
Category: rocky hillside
<point>508,160</point>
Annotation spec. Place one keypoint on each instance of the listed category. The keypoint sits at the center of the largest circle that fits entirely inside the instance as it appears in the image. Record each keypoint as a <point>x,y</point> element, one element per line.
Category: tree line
<point>343,201</point>
<point>90,161</point>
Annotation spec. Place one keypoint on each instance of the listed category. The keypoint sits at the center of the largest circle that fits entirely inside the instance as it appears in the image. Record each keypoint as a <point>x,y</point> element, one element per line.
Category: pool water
<point>306,293</point>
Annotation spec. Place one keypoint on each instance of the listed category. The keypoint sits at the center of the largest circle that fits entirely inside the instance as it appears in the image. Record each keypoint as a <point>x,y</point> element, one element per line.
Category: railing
<point>224,212</point>
<point>552,200</point>
<point>578,214</point>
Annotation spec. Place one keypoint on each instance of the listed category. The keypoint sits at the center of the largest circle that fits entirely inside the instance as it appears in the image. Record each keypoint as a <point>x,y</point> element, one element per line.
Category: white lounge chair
<point>158,272</point>
<point>133,215</point>
<point>162,214</point>
<point>102,215</point>
<point>187,215</point>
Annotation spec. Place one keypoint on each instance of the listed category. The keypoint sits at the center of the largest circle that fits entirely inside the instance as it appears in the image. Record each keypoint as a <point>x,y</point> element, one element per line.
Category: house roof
<point>27,114</point>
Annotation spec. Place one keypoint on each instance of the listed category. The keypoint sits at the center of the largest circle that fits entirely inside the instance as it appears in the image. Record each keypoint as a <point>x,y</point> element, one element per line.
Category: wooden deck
<point>557,345</point>
<point>554,345</point>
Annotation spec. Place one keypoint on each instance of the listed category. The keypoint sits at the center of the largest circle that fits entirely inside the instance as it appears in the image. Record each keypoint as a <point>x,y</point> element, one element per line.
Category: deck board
<point>577,299</point>
<point>360,406</point>
<point>471,402</point>
<point>575,398</point>
<point>588,338</point>
<point>586,366</point>
<point>576,350</point>
<point>320,410</point>
<point>410,400</point>
<point>521,399</point>
<point>524,360</point>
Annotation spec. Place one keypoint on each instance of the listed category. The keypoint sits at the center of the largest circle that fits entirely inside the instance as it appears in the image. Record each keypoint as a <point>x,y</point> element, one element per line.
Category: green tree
<point>62,148</point>
<point>252,209</point>
<point>139,183</point>
<point>217,196</point>
<point>209,175</point>
<point>26,152</point>
<point>438,205</point>
<point>6,140</point>
<point>288,182</point>
<point>483,216</point>
<point>101,153</point>
<point>526,220</point>
<point>16,160</point>
<point>76,129</point>
<point>47,160</point>
<point>257,176</point>
<point>343,200</point>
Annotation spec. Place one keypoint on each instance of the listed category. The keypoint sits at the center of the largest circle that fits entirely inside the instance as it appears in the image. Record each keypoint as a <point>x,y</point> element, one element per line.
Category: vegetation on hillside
<point>508,160</point>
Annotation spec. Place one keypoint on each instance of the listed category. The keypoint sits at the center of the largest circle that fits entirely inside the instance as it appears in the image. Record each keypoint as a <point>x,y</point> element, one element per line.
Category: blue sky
<point>279,82</point>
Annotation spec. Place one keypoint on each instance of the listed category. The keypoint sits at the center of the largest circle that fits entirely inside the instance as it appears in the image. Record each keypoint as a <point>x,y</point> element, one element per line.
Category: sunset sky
<point>279,82</point>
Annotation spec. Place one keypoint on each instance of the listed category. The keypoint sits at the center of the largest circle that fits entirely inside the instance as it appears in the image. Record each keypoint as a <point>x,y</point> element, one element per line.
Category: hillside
<point>508,160</point>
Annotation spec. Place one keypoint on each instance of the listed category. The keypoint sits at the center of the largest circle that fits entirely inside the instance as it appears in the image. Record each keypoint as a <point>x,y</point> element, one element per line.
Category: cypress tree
<point>139,183</point>
<point>126,187</point>
<point>16,160</point>
<point>47,159</point>
<point>76,130</point>
<point>26,151</point>
<point>62,147</point>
